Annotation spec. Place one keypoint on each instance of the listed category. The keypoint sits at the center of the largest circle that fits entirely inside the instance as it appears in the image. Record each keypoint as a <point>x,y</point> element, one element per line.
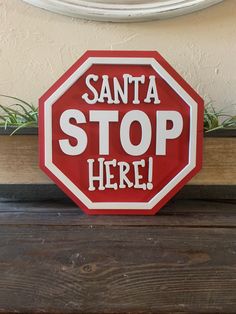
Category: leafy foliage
<point>22,114</point>
<point>214,120</point>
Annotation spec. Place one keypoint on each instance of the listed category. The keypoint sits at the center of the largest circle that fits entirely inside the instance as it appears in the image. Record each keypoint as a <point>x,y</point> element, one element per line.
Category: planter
<point>21,178</point>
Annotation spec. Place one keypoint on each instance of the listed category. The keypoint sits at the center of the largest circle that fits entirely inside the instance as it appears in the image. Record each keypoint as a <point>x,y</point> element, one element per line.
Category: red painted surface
<point>165,167</point>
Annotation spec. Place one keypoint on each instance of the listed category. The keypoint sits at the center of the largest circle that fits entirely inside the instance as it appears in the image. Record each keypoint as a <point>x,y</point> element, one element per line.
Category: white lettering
<point>162,133</point>
<point>124,169</point>
<point>121,179</point>
<point>103,117</point>
<point>152,91</point>
<point>105,91</point>
<point>73,131</point>
<point>138,176</point>
<point>98,178</point>
<point>136,80</point>
<point>110,176</point>
<point>118,92</point>
<point>146,131</point>
<point>91,88</point>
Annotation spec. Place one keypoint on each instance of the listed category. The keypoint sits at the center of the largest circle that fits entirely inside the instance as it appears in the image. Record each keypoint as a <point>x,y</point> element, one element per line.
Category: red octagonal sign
<point>121,132</point>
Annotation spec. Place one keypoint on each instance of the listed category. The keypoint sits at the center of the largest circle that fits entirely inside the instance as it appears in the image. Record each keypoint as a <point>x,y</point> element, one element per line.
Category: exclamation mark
<point>150,172</point>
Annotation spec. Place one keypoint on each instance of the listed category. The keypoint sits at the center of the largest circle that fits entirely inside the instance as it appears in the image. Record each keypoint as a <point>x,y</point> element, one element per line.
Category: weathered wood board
<point>19,161</point>
<point>55,259</point>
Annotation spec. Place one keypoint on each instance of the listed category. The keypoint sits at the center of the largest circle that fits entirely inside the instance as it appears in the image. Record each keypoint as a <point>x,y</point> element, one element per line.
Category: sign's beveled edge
<point>177,78</point>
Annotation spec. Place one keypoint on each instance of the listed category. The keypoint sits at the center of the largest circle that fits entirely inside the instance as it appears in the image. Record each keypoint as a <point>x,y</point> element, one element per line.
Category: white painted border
<point>48,133</point>
<point>116,11</point>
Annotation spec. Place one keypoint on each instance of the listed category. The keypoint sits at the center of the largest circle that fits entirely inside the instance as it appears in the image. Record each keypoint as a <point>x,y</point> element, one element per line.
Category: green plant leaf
<point>32,107</point>
<point>23,125</point>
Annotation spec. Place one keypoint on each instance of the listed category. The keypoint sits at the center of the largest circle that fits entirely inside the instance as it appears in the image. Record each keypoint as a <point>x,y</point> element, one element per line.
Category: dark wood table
<point>55,259</point>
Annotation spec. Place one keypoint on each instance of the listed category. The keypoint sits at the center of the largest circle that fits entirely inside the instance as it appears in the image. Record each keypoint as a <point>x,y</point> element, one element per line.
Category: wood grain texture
<point>178,213</point>
<point>19,161</point>
<point>219,162</point>
<point>117,269</point>
<point>55,259</point>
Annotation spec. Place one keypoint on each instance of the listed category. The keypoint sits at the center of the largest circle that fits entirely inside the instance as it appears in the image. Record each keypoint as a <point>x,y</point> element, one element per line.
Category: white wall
<point>36,47</point>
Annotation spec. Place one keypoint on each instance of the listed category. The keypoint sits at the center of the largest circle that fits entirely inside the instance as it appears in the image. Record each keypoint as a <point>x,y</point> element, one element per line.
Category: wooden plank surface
<point>54,259</point>
<point>219,162</point>
<point>117,270</point>
<point>177,213</point>
<point>19,161</point>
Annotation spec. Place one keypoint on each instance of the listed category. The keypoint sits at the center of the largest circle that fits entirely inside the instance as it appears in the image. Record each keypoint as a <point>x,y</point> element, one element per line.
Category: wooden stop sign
<point>121,132</point>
